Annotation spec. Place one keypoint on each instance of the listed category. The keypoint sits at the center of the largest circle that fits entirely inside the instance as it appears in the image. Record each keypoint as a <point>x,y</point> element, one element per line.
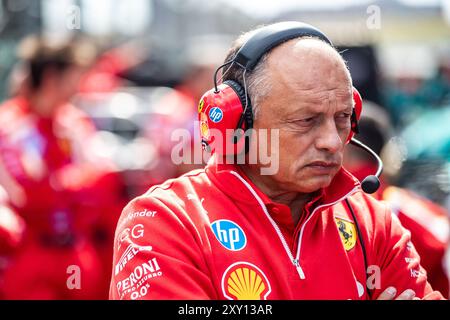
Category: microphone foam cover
<point>370,184</point>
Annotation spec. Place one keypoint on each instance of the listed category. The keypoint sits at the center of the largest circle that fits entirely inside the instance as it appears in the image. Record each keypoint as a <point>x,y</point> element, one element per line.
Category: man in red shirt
<point>306,231</point>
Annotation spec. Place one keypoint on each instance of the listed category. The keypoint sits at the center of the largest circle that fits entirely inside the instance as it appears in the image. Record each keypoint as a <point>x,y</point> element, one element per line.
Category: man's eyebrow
<point>318,98</point>
<point>306,109</point>
<point>349,107</point>
<point>303,113</point>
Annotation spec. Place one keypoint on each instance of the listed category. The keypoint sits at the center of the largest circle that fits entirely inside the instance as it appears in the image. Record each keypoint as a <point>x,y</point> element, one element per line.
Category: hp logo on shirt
<point>229,234</point>
<point>215,114</point>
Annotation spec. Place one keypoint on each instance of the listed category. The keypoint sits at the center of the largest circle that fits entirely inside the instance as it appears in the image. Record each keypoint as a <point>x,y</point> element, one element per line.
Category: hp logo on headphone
<point>215,114</point>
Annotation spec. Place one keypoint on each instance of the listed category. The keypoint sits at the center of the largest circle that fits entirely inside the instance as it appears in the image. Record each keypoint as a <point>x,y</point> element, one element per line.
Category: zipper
<point>295,261</point>
<point>312,214</point>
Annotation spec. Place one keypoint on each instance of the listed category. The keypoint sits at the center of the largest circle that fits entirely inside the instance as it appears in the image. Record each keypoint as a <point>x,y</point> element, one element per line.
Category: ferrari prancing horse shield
<point>347,231</point>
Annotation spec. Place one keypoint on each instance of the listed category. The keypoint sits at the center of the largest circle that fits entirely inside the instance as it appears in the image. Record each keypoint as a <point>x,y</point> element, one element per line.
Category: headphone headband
<point>271,36</point>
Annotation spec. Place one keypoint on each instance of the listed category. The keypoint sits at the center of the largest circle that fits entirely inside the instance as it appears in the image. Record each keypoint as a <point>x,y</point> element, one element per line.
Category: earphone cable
<point>245,90</point>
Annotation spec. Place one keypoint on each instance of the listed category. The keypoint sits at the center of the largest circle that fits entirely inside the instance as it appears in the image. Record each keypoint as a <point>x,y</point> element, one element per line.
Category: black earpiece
<point>371,183</point>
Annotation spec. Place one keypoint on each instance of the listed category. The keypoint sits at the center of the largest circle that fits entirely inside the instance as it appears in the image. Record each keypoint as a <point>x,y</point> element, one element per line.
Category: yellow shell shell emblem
<point>204,128</point>
<point>347,231</point>
<point>244,281</point>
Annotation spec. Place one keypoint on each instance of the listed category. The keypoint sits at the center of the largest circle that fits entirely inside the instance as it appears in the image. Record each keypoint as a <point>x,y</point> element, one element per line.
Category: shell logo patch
<point>347,231</point>
<point>204,128</point>
<point>245,281</point>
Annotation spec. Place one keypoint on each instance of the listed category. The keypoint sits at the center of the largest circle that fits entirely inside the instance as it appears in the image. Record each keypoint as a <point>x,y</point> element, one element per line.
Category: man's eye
<point>306,121</point>
<point>344,117</point>
<point>343,120</point>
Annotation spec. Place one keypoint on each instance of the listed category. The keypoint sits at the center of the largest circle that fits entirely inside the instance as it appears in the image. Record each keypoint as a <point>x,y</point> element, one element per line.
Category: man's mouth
<point>322,166</point>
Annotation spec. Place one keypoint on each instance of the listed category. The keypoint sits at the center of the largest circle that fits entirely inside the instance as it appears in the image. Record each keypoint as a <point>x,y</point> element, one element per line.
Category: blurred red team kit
<point>69,204</point>
<point>427,222</point>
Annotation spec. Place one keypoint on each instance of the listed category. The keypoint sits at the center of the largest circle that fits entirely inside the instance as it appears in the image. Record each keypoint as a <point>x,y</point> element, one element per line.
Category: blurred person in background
<point>104,76</point>
<point>427,221</point>
<point>67,197</point>
<point>178,109</point>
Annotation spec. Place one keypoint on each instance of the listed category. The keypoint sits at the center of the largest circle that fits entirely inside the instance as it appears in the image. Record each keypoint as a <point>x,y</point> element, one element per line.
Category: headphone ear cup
<point>247,115</point>
<point>356,113</point>
<point>240,91</point>
<point>218,114</point>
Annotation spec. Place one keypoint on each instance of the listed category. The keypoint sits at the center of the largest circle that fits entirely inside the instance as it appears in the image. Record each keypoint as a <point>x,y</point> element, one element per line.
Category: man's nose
<point>328,137</point>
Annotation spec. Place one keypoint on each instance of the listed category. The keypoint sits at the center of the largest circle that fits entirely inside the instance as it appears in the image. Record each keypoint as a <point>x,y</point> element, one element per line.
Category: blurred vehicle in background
<point>121,117</point>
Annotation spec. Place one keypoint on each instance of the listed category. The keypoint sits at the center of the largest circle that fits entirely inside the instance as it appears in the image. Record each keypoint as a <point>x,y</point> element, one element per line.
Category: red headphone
<point>225,111</point>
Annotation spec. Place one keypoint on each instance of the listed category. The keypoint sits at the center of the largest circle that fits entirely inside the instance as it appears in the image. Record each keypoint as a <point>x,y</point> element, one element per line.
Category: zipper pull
<point>299,268</point>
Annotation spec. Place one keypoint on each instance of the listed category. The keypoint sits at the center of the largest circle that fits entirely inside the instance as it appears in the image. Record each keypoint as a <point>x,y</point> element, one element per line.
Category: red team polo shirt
<point>211,234</point>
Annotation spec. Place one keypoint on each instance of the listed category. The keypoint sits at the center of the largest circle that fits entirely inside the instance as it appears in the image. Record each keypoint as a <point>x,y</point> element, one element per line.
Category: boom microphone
<point>371,183</point>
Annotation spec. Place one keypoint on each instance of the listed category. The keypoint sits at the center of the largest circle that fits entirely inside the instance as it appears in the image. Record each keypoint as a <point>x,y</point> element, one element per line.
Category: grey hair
<point>258,85</point>
<point>257,80</point>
